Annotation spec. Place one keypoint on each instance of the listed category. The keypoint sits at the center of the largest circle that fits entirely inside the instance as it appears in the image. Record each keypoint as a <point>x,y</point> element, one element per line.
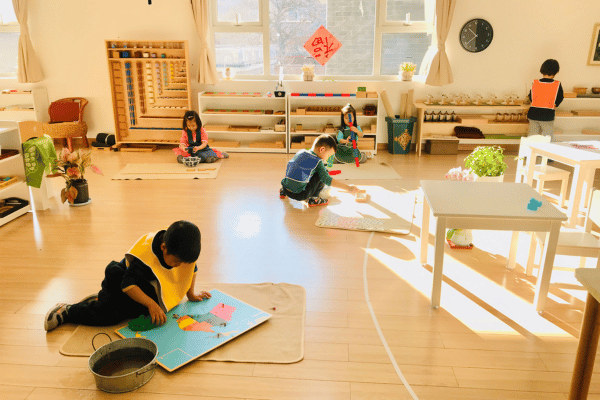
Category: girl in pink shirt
<point>194,141</point>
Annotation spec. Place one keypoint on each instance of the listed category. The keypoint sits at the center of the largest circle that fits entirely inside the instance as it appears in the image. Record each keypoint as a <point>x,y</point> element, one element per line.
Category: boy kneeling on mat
<point>155,275</point>
<point>306,175</point>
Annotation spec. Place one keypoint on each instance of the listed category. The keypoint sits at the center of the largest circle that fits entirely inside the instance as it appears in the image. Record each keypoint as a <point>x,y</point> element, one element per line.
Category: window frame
<point>382,26</point>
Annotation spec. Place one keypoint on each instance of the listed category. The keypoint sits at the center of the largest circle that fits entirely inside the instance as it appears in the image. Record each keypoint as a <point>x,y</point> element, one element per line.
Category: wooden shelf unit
<point>428,130</point>
<point>250,141</point>
<point>32,106</point>
<point>150,94</point>
<point>13,166</point>
<point>315,124</point>
<point>571,127</point>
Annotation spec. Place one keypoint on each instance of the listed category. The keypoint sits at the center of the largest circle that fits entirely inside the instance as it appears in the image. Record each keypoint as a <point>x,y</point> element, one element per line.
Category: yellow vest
<point>173,284</point>
<point>543,94</point>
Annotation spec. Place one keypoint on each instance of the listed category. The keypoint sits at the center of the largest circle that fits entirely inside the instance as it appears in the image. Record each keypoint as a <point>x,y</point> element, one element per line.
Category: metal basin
<point>123,365</point>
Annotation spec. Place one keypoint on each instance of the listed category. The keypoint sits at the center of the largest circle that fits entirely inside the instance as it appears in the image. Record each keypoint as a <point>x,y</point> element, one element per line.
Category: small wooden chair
<point>66,120</point>
<point>573,242</point>
<point>542,172</point>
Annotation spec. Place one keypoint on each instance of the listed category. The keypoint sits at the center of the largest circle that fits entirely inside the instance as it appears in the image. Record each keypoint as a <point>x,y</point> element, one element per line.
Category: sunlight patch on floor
<point>466,310</point>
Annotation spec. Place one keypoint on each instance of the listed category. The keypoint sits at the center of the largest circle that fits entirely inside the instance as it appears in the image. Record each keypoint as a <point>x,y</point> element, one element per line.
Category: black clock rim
<point>467,23</point>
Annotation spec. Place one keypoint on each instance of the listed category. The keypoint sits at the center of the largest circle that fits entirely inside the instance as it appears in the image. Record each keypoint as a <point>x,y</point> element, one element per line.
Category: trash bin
<point>400,134</point>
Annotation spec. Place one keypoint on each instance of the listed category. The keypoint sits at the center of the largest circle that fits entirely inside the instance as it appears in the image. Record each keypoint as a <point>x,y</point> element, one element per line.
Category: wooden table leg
<point>425,231</point>
<point>512,255</point>
<point>438,261</point>
<point>586,351</point>
<point>543,280</point>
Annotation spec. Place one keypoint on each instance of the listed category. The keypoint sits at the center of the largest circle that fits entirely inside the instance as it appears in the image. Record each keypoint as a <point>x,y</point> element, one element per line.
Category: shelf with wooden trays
<point>6,181</point>
<point>250,118</point>
<point>488,123</point>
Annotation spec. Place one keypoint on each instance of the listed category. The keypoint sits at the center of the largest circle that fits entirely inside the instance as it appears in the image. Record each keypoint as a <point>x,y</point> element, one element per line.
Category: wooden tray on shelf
<point>586,113</point>
<point>245,128</point>
<point>3,183</point>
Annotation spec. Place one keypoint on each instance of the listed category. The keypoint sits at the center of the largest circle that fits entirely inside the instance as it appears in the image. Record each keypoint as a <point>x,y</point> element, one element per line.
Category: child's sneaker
<point>211,159</point>
<point>282,194</point>
<point>317,201</point>
<point>55,317</point>
<point>180,159</point>
<point>225,155</point>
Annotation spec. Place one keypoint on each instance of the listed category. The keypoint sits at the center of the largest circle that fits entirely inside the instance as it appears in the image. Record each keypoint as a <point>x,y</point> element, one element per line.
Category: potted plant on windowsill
<point>71,166</point>
<point>407,69</point>
<point>487,162</point>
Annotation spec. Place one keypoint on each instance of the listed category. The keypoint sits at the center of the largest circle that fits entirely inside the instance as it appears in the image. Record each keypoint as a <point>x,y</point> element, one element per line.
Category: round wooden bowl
<point>596,90</point>
<point>579,89</point>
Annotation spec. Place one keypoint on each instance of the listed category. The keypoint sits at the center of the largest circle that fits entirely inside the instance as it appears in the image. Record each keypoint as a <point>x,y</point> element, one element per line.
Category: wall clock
<point>476,35</point>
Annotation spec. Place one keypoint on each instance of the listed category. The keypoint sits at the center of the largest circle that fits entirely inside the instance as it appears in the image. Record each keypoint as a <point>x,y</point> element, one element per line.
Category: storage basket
<point>400,134</point>
<point>441,146</point>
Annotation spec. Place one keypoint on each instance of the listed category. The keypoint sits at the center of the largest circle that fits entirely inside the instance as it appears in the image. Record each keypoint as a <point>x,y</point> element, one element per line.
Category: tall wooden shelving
<point>150,85</point>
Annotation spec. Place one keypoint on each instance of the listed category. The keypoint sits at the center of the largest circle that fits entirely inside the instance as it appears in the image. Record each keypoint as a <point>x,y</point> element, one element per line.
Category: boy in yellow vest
<point>155,275</point>
<point>546,94</point>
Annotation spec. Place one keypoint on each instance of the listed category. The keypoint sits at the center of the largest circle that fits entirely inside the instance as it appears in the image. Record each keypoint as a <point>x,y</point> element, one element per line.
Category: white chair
<point>542,172</point>
<point>573,242</point>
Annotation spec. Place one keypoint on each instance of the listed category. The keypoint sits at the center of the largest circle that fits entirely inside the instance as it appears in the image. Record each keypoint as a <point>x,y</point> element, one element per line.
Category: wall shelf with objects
<point>12,175</point>
<point>244,121</point>
<point>150,85</point>
<point>577,118</point>
<point>313,114</point>
<point>500,124</point>
<point>19,105</point>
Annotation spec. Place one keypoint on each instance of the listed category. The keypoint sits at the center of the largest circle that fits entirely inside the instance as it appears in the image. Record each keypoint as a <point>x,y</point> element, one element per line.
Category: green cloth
<point>39,155</point>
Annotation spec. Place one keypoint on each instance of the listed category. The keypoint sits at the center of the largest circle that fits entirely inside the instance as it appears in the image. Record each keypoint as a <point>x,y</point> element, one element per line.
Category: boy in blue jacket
<point>306,175</point>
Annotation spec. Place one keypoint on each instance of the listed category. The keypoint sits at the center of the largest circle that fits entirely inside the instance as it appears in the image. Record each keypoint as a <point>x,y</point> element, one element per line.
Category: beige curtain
<point>440,73</point>
<point>30,69</point>
<point>207,67</point>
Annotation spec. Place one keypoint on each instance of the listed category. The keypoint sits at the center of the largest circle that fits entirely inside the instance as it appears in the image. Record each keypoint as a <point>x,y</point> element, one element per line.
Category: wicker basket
<point>441,146</point>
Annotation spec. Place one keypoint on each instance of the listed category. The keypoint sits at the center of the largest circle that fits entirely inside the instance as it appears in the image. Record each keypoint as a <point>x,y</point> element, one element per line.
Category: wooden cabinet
<point>13,167</point>
<point>309,116</point>
<point>150,85</point>
<point>244,122</point>
<point>508,131</point>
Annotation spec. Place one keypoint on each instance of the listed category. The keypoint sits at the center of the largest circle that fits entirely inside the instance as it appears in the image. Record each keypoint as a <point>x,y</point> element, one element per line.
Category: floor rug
<point>278,340</point>
<point>168,171</point>
<point>369,170</point>
<point>390,208</point>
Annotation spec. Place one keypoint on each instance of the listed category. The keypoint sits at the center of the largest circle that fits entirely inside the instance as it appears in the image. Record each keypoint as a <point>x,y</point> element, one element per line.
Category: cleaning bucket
<point>123,365</point>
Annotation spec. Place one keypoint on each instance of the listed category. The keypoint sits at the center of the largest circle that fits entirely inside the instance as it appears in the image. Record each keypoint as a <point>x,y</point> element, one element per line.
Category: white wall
<point>69,35</point>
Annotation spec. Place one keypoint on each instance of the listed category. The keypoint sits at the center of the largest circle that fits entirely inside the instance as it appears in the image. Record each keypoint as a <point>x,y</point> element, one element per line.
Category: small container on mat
<point>400,134</point>
<point>441,146</point>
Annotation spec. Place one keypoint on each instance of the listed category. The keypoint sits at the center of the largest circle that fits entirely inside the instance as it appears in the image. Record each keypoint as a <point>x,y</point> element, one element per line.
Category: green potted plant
<point>487,161</point>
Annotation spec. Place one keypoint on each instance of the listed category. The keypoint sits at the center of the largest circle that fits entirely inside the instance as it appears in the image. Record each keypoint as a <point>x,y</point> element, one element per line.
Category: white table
<point>584,161</point>
<point>488,206</point>
<point>588,338</point>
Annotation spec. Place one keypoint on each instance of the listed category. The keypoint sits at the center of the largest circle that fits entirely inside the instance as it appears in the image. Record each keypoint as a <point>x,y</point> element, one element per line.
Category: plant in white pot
<point>407,69</point>
<point>487,162</point>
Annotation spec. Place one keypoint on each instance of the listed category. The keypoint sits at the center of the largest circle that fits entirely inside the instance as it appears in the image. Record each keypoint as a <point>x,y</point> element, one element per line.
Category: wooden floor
<point>484,342</point>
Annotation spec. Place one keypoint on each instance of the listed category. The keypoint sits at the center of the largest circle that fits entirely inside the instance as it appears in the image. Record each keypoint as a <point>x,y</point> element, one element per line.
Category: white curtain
<point>207,67</point>
<point>440,73</point>
<point>30,69</point>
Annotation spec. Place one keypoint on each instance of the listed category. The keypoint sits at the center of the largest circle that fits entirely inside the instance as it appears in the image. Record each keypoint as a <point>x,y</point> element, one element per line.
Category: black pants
<point>312,189</point>
<point>113,305</point>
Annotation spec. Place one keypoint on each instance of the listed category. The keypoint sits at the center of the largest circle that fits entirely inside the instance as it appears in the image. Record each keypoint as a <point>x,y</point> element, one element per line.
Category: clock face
<point>476,35</point>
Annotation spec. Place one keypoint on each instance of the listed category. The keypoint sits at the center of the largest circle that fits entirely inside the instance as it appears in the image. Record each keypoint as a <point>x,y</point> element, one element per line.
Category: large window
<point>258,37</point>
<point>9,40</point>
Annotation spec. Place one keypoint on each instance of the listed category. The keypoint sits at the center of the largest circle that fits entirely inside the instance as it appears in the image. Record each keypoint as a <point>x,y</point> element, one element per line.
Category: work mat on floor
<point>369,170</point>
<point>278,340</point>
<point>168,171</point>
<point>390,208</point>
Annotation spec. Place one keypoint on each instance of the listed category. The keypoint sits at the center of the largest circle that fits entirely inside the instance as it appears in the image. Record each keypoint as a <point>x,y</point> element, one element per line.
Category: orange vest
<point>543,94</point>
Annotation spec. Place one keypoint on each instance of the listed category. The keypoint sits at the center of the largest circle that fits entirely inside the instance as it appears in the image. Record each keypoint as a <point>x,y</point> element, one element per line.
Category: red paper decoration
<point>322,45</point>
